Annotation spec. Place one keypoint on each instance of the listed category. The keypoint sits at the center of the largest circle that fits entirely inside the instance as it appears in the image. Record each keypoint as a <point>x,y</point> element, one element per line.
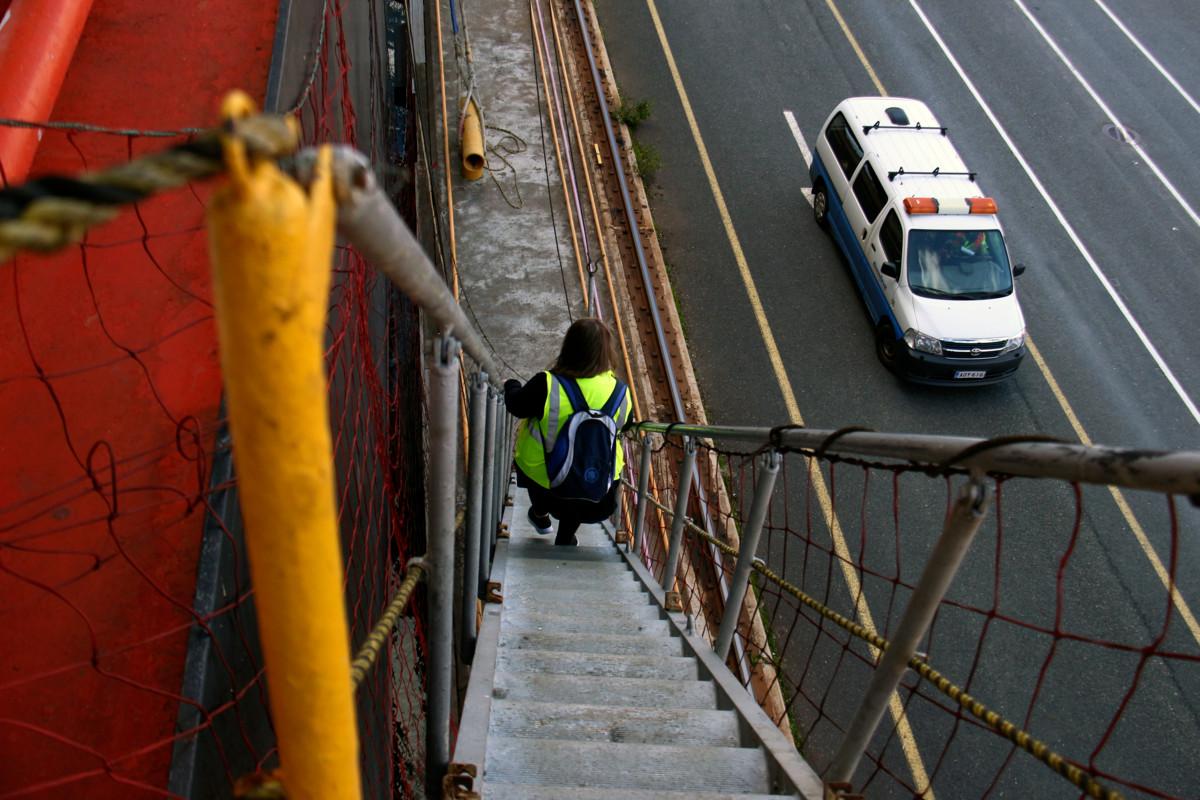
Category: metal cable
<point>87,127</point>
<point>546,163</point>
<point>1081,778</point>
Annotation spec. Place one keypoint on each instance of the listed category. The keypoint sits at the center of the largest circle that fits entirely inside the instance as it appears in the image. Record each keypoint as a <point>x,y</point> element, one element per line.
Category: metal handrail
<point>1170,472</point>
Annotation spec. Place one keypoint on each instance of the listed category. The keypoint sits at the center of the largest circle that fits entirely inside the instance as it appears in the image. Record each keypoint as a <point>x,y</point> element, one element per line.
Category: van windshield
<point>958,265</point>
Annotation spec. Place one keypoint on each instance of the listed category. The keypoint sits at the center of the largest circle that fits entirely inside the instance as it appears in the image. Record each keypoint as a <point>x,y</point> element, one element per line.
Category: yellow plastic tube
<point>271,244</point>
<point>472,143</point>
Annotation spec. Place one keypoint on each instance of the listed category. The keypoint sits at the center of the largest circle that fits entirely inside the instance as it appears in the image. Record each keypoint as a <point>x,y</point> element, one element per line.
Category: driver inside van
<point>963,245</point>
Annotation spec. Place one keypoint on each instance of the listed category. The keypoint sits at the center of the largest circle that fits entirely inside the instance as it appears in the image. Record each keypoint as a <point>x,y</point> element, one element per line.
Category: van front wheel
<point>887,346</point>
<point>820,204</point>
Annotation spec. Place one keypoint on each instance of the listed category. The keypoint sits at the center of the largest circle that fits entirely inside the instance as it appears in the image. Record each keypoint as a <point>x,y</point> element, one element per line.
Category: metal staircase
<point>584,686</point>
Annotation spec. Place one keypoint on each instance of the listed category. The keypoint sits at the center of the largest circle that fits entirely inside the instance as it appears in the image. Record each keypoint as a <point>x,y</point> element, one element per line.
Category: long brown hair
<point>587,350</point>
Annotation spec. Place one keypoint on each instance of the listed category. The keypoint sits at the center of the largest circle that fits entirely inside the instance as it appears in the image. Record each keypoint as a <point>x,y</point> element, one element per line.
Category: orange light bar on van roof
<point>921,205</point>
<point>981,205</point>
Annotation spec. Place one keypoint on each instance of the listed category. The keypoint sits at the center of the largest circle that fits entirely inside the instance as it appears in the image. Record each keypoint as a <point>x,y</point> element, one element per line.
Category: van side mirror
<point>1018,269</point>
<point>892,270</point>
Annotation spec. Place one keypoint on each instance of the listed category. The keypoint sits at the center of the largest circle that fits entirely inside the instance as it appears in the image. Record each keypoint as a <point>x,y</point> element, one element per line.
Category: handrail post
<point>501,461</point>
<point>443,449</point>
<point>746,552</point>
<point>271,244</point>
<point>683,490</point>
<point>957,534</point>
<point>471,538</point>
<point>643,496</point>
<point>485,514</point>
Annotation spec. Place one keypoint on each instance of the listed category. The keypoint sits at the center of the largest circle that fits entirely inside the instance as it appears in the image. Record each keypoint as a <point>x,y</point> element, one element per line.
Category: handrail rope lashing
<point>53,211</point>
<point>373,644</point>
<point>1080,777</point>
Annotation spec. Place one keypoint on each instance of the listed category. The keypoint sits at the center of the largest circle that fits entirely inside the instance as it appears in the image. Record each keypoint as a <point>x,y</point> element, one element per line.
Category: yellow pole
<point>271,245</point>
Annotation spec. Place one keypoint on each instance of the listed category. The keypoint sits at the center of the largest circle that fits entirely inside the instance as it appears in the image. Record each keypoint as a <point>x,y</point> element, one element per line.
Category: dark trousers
<point>569,513</point>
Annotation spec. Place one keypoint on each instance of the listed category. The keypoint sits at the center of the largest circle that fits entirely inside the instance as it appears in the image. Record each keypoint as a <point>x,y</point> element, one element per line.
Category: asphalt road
<point>1079,207</point>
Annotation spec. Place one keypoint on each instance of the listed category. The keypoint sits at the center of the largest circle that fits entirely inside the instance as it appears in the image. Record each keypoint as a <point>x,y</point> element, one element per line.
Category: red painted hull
<point>109,392</point>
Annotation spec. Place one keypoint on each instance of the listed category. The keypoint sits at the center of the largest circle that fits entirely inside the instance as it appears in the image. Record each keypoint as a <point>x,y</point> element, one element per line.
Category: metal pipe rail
<point>1175,472</point>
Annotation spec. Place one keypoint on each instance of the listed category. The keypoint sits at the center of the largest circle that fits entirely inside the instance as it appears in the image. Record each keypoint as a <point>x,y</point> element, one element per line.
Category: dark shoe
<point>573,542</point>
<point>541,522</point>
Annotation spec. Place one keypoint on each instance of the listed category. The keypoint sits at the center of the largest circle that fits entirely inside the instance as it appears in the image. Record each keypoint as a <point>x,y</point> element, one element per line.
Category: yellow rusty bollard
<point>271,245</point>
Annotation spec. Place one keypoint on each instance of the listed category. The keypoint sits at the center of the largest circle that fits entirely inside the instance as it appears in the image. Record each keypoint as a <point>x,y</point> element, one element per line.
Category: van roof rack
<point>936,173</point>
<point>942,129</point>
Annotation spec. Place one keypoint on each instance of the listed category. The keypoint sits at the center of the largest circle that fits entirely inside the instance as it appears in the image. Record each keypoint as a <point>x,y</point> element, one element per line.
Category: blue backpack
<point>584,456</point>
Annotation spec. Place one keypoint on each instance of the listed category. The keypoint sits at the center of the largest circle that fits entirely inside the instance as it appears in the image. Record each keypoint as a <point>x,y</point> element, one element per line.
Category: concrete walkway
<point>515,259</point>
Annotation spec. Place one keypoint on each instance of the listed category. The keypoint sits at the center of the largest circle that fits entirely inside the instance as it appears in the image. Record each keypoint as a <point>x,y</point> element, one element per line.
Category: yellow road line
<point>858,51</point>
<point>1118,496</point>
<point>903,728</point>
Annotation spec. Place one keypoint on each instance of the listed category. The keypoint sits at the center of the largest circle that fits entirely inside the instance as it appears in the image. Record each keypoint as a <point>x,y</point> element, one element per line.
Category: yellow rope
<point>48,213</point>
<point>1022,739</point>
<point>369,652</point>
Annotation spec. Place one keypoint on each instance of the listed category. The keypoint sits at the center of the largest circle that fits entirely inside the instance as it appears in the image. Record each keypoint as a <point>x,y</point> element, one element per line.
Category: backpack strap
<point>574,394</point>
<point>616,401</point>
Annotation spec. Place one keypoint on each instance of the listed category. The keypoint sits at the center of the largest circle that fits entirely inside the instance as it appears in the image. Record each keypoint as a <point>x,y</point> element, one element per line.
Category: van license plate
<point>969,373</point>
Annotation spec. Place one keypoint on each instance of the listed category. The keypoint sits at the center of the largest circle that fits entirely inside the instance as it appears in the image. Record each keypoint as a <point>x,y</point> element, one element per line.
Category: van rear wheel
<point>887,346</point>
<point>820,204</point>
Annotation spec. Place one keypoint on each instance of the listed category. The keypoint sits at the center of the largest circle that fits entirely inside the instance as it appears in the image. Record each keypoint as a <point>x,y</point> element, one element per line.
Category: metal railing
<point>1169,473</point>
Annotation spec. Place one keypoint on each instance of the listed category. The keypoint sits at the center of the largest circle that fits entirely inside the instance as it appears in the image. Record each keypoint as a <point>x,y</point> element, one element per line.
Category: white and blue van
<point>923,243</point>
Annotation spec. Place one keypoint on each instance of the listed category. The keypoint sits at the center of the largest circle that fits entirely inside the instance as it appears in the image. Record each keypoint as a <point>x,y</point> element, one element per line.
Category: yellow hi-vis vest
<point>535,437</point>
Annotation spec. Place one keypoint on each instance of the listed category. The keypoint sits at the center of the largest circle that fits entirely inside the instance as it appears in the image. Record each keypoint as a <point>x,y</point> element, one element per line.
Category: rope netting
<point>1059,647</point>
<point>131,665</point>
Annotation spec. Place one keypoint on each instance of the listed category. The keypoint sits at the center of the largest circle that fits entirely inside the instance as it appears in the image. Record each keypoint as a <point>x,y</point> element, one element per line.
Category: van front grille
<point>971,350</point>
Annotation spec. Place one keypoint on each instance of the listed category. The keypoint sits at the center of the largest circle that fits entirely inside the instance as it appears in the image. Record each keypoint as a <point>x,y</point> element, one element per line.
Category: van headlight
<point>1013,343</point>
<point>922,342</point>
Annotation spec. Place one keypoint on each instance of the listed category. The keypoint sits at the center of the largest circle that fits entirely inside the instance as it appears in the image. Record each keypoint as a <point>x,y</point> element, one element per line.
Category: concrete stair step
<point>690,726</point>
<point>616,584</point>
<point>519,593</point>
<point>628,612</point>
<point>593,643</point>
<point>522,532</point>
<point>544,548</point>
<point>513,791</point>
<point>518,620</point>
<point>626,766</point>
<point>558,662</point>
<point>598,690</point>
<point>579,570</point>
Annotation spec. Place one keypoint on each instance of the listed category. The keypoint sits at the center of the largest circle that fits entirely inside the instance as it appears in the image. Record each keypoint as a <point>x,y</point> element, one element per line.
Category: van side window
<point>869,192</point>
<point>845,147</point>
<point>891,236</point>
